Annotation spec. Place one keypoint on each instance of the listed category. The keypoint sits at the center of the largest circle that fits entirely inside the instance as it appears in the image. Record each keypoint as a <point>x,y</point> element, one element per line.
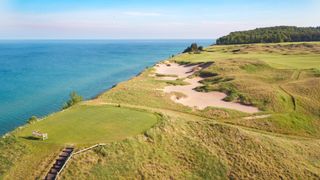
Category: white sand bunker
<point>200,100</point>
<point>174,69</point>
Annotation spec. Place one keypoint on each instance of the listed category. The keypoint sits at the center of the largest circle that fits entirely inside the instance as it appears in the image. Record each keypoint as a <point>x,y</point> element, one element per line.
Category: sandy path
<point>201,100</point>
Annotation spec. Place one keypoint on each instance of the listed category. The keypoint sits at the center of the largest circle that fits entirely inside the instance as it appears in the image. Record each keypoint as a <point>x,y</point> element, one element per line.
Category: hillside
<point>150,136</point>
<point>272,35</point>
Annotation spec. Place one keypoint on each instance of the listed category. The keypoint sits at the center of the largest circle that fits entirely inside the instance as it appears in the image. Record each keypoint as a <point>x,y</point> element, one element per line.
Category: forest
<point>272,35</point>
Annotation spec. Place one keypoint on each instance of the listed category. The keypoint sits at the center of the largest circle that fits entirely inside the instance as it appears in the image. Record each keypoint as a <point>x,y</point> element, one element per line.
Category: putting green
<point>91,124</point>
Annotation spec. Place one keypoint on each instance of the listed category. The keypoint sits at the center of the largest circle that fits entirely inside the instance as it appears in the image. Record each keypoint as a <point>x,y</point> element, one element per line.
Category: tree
<point>193,48</point>
<point>74,99</point>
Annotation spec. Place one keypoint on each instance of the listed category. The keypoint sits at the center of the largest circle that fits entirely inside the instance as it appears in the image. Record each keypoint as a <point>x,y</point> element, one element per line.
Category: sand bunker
<point>175,69</point>
<point>200,100</point>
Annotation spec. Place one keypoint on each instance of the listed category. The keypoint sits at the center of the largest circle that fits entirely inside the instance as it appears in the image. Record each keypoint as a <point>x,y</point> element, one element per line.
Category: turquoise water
<point>37,76</point>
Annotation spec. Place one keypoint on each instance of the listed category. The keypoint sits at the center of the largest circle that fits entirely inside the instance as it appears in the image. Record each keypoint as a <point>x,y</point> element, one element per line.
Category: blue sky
<point>148,19</point>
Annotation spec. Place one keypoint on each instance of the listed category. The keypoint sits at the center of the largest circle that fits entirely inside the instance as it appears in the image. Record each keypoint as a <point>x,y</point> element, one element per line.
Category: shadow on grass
<point>32,138</point>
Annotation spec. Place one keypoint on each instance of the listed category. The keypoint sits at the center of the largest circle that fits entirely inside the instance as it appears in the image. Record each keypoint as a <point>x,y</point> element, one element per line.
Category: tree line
<point>272,35</point>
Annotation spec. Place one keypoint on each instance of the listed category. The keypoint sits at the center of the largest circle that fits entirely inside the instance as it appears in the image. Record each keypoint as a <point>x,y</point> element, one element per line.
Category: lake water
<point>36,77</point>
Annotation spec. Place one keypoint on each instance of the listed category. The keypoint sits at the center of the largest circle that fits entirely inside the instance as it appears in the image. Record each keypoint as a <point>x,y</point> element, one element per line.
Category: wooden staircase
<point>60,163</point>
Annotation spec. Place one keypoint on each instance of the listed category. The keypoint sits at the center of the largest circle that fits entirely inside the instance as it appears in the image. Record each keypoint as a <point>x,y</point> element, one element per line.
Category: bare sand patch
<point>181,71</point>
<point>257,117</point>
<point>193,98</point>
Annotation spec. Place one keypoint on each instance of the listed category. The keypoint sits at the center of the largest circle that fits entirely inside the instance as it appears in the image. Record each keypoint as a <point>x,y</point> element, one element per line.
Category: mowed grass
<point>91,124</point>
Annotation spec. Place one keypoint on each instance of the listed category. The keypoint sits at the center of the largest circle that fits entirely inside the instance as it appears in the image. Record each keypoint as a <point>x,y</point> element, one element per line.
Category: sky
<point>148,19</point>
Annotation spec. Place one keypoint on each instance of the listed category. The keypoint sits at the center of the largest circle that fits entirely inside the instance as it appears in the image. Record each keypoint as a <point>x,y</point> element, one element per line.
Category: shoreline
<point>8,133</point>
<point>107,70</point>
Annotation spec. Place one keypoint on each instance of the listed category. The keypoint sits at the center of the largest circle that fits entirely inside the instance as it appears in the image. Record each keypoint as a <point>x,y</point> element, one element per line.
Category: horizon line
<point>100,39</point>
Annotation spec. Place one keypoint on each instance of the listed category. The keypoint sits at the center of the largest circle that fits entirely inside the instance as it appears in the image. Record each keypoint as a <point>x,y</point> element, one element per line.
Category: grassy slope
<point>213,143</point>
<point>80,125</point>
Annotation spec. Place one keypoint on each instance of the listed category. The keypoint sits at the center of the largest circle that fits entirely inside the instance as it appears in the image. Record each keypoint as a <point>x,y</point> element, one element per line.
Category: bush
<point>193,49</point>
<point>32,119</point>
<point>74,99</point>
<point>101,151</point>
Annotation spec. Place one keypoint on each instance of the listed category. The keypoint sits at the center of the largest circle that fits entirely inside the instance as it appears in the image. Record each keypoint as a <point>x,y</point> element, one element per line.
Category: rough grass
<point>182,148</point>
<point>277,78</point>
<point>10,151</point>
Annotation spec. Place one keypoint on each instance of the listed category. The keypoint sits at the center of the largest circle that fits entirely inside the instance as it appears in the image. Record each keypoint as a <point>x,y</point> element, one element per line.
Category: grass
<point>178,82</point>
<point>189,147</point>
<point>281,79</point>
<point>79,126</point>
<point>91,124</point>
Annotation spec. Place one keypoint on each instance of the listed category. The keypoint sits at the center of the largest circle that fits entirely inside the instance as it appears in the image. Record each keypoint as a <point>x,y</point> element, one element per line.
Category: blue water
<point>37,76</point>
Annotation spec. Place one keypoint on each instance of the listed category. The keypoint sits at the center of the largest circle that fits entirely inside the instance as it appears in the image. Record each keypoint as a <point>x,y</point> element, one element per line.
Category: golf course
<point>264,122</point>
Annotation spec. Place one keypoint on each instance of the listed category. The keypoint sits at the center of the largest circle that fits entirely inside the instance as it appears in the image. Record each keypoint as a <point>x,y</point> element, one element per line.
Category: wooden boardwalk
<point>61,161</point>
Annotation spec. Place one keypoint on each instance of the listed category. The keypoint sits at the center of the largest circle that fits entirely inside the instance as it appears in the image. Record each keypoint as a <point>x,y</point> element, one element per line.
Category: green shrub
<point>74,99</point>
<point>101,151</point>
<point>194,48</point>
<point>32,119</point>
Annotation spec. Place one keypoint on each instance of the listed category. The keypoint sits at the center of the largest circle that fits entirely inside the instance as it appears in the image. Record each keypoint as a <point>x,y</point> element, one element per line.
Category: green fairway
<point>91,124</point>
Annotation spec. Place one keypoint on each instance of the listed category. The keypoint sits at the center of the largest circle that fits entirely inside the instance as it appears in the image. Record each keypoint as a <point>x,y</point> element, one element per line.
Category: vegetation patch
<point>177,82</point>
<point>10,152</point>
<point>74,99</point>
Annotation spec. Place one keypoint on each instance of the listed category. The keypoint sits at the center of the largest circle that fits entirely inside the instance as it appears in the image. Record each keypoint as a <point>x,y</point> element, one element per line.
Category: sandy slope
<point>201,100</point>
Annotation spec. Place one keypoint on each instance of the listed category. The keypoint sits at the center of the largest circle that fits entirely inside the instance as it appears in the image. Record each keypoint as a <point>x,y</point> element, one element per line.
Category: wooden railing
<point>86,149</point>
